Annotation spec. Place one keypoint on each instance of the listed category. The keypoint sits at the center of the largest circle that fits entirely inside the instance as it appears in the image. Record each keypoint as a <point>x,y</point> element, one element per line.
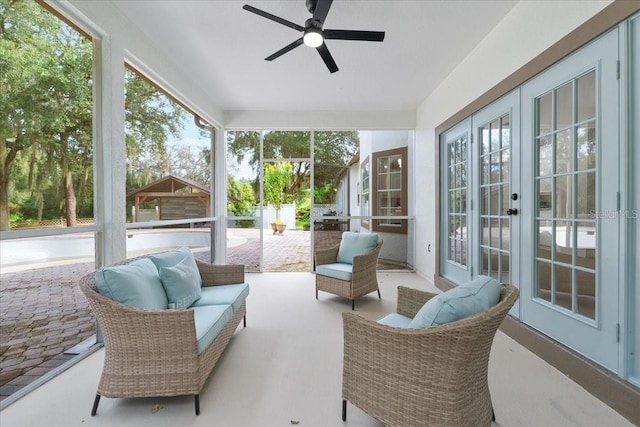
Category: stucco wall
<point>526,31</point>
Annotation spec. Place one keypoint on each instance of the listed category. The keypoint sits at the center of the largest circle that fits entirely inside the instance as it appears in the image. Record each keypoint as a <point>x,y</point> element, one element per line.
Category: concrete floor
<point>285,367</point>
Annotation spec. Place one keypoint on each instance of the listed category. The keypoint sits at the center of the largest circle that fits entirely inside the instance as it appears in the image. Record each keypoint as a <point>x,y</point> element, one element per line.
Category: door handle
<point>513,211</point>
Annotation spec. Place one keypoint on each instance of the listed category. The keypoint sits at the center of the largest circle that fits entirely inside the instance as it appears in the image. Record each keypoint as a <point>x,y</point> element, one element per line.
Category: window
<point>364,209</point>
<point>390,190</point>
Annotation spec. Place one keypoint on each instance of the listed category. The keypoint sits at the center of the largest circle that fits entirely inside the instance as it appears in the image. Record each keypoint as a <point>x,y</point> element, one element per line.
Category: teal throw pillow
<point>354,244</point>
<point>462,301</point>
<point>181,283</point>
<point>136,284</point>
<point>175,257</point>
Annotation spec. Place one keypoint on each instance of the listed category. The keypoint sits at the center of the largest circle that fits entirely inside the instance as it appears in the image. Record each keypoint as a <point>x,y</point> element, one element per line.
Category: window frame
<point>379,224</point>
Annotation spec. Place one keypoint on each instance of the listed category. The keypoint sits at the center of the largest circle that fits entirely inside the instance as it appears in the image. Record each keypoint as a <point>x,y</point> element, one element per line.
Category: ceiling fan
<point>313,34</point>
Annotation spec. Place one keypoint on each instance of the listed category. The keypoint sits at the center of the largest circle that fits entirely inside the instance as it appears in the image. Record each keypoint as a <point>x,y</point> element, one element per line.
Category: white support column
<point>110,159</point>
<point>219,153</point>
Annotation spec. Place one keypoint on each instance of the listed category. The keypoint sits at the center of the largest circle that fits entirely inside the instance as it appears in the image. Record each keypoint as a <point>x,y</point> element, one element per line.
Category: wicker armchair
<point>435,376</point>
<point>152,353</point>
<point>364,279</point>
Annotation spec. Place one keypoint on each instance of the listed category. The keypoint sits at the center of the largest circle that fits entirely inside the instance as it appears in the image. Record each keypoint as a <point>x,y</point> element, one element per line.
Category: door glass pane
<point>586,290</point>
<point>564,151</point>
<point>563,196</point>
<point>544,109</point>
<point>563,243</point>
<point>545,197</point>
<point>564,106</point>
<point>545,156</point>
<point>545,270</point>
<point>586,252</point>
<point>586,195</point>
<point>586,146</point>
<point>563,293</point>
<point>505,166</point>
<point>505,132</point>
<point>495,135</point>
<point>545,239</point>
<point>586,86</point>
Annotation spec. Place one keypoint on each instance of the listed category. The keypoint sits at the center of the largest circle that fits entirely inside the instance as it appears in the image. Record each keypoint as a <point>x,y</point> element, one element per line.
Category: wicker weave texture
<point>363,277</point>
<point>154,352</point>
<point>422,377</point>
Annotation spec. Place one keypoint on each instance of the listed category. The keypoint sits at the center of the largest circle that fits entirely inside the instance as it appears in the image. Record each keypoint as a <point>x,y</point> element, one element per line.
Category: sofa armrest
<point>214,275</point>
<point>133,334</point>
<point>411,300</point>
<point>326,256</point>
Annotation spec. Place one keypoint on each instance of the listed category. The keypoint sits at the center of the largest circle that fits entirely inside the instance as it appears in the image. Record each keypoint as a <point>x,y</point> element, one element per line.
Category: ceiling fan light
<point>312,38</point>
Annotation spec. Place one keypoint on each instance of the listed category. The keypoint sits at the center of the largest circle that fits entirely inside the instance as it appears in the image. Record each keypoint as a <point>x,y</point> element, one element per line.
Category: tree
<point>46,115</point>
<point>150,119</point>
<point>331,148</point>
<point>45,100</point>
<point>277,177</point>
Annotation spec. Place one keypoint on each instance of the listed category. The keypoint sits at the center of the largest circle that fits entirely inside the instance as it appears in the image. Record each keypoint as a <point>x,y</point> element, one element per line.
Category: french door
<point>530,189</point>
<point>570,281</point>
<point>496,151</point>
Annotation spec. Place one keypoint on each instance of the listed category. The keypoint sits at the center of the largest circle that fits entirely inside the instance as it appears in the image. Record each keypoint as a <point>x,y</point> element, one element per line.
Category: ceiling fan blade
<point>284,50</point>
<point>321,11</point>
<point>327,58</point>
<point>368,36</point>
<point>273,17</point>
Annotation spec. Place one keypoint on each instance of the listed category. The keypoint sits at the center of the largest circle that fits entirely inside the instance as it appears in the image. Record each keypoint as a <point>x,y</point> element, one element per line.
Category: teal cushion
<point>224,294</point>
<point>354,244</point>
<point>337,271</point>
<point>396,320</point>
<point>209,321</point>
<point>463,301</point>
<point>136,284</point>
<point>173,258</point>
<point>181,283</point>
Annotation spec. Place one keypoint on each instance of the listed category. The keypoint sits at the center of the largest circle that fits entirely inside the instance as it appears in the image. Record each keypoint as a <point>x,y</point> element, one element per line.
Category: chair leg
<point>344,410</point>
<point>353,304</point>
<point>197,401</point>
<point>493,415</point>
<point>95,405</point>
<point>244,320</point>
<point>316,292</point>
<point>379,297</point>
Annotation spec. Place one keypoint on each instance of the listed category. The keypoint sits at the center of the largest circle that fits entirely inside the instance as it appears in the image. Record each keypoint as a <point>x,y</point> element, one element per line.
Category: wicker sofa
<point>151,353</point>
<point>434,376</point>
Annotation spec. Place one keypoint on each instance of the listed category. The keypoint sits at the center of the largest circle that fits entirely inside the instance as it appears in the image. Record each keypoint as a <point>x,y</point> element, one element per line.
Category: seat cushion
<point>336,270</point>
<point>210,320</point>
<point>463,301</point>
<point>234,295</point>
<point>396,320</point>
<point>181,283</point>
<point>354,244</point>
<point>136,284</point>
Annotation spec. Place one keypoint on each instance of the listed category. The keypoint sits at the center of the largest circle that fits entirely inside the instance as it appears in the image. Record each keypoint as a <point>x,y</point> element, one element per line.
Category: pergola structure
<point>176,198</point>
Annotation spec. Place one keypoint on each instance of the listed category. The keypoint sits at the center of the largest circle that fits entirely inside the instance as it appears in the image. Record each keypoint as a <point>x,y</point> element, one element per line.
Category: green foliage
<point>45,112</point>
<point>276,179</point>
<point>323,195</point>
<point>303,210</point>
<point>240,201</point>
<point>333,152</point>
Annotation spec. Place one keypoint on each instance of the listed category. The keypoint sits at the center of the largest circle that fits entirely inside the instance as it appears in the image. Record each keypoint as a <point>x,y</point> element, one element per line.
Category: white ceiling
<point>223,47</point>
